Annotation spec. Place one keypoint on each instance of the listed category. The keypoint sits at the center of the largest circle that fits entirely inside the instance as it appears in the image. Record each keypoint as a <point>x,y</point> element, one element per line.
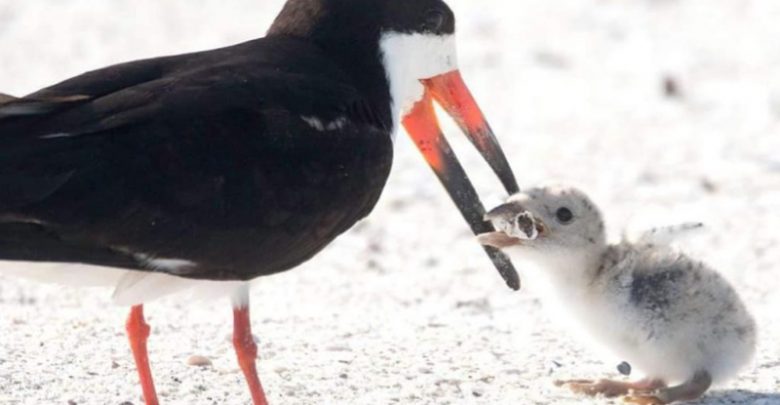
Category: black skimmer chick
<point>215,168</point>
<point>666,314</point>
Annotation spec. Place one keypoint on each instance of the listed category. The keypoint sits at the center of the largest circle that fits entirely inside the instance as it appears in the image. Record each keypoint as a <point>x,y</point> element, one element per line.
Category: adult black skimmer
<point>223,166</point>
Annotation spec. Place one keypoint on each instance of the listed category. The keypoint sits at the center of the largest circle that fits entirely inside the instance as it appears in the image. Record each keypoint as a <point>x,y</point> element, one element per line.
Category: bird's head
<point>404,51</point>
<point>548,223</point>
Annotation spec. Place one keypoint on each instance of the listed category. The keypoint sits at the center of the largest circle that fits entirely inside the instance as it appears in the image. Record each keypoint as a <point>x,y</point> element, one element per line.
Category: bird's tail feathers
<point>11,106</point>
<point>5,98</point>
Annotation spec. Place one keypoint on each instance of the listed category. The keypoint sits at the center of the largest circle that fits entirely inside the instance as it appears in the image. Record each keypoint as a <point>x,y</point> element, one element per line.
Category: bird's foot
<point>611,388</point>
<point>687,391</point>
<point>643,400</point>
<point>607,388</point>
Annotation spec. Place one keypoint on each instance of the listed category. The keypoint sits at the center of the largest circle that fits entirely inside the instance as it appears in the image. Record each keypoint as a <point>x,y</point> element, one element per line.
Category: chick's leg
<point>610,388</point>
<point>689,390</point>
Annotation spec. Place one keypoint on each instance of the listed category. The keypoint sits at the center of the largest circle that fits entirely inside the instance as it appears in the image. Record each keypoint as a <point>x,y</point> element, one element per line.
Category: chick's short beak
<point>498,240</point>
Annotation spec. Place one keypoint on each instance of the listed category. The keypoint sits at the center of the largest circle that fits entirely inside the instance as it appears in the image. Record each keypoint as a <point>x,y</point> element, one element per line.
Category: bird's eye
<point>564,215</point>
<point>434,21</point>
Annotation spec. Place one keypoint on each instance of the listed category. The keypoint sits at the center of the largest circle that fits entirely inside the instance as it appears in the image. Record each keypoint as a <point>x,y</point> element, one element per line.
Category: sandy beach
<point>662,110</point>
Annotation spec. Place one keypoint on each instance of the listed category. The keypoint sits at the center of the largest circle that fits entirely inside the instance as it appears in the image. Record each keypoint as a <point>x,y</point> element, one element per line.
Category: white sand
<point>406,308</point>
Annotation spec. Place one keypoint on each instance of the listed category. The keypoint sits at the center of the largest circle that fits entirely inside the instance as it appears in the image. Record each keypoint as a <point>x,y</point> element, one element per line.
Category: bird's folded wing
<point>666,235</point>
<point>57,134</point>
<point>117,145</point>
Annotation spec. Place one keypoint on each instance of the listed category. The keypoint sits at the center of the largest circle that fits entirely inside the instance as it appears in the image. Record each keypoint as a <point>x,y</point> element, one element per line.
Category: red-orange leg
<point>246,350</point>
<point>138,333</point>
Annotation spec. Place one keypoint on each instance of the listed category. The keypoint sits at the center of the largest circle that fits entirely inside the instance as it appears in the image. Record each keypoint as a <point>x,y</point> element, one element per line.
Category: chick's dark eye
<point>434,21</point>
<point>564,215</point>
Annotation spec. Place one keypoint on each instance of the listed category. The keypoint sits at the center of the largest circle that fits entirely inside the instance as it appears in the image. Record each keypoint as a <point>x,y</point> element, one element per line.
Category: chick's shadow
<point>742,397</point>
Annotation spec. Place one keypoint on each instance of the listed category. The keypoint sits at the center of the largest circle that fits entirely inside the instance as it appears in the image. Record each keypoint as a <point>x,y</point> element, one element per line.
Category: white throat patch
<point>409,58</point>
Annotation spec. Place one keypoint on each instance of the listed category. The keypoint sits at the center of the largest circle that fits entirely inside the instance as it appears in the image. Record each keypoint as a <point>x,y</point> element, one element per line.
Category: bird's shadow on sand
<point>739,397</point>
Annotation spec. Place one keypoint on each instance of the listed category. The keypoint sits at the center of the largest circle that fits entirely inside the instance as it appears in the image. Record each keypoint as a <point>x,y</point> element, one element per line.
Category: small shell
<point>199,361</point>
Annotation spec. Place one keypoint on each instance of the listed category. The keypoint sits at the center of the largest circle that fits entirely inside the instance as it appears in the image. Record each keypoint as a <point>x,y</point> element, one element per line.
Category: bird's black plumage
<point>202,157</point>
<point>236,162</point>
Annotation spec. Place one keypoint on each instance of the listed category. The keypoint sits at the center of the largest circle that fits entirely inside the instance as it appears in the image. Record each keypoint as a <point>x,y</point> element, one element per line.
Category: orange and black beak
<point>421,123</point>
